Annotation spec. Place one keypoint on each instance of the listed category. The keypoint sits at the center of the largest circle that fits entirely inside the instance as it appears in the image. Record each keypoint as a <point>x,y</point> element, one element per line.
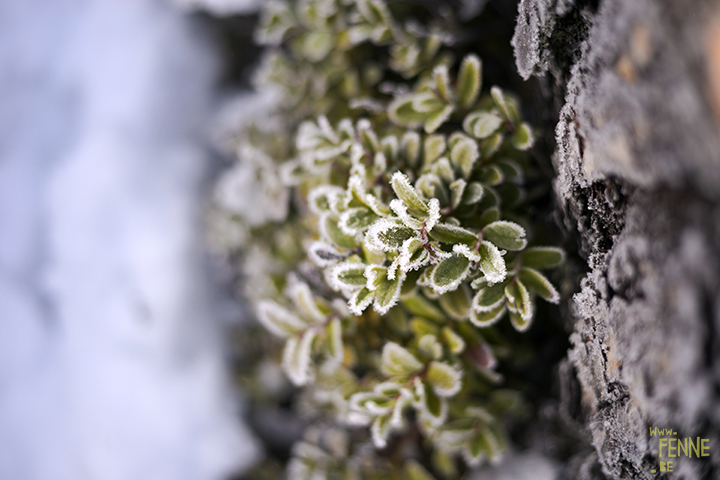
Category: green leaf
<point>445,380</point>
<point>489,216</point>
<point>432,187</point>
<point>402,113</point>
<point>296,358</point>
<point>415,471</point>
<point>437,118</point>
<point>443,169</point>
<point>429,348</point>
<point>278,320</point>
<point>304,302</point>
<point>464,154</point>
<point>333,335</point>
<point>361,300</point>
<point>486,319</point>
<point>447,233</point>
<point>491,175</point>
<point>473,193</point>
<point>490,145</point>
<point>492,264</point>
<point>537,283</point>
<point>407,193</point>
<point>333,233</point>
<point>456,303</point>
<point>410,146</point>
<point>427,102</point>
<point>449,272</point>
<point>356,220</point>
<point>380,431</point>
<point>317,45</point>
<point>396,361</point>
<point>442,82</point>
<point>418,305</point>
<point>387,293</point>
<point>431,407</point>
<point>499,97</point>
<point>387,235</point>
<point>482,124</point>
<point>518,322</point>
<point>523,138</point>
<point>507,235</point>
<point>433,147</point>
<point>518,299</point>
<point>347,276</point>
<point>421,327</point>
<point>323,254</point>
<point>457,188</point>
<point>488,298</point>
<point>469,77</point>
<point>374,11</point>
<point>542,257</point>
<point>454,342</point>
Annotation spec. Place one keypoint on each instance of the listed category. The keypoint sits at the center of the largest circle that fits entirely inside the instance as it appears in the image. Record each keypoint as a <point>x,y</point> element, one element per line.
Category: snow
<point>111,360</point>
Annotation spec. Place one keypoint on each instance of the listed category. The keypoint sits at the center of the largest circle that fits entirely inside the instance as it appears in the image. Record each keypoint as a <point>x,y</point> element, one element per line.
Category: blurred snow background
<point>110,352</point>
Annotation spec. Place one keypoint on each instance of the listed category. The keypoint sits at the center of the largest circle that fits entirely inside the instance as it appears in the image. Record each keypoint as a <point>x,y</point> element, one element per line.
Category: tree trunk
<point>636,85</point>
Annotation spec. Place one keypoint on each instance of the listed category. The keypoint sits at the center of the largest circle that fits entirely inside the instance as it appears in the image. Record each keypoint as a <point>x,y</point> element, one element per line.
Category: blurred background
<point>111,357</point>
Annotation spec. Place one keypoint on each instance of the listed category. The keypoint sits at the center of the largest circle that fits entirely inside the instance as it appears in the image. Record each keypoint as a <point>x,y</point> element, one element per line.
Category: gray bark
<point>636,85</point>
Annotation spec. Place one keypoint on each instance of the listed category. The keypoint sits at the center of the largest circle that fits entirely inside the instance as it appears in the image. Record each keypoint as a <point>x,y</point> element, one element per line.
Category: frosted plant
<point>395,240</point>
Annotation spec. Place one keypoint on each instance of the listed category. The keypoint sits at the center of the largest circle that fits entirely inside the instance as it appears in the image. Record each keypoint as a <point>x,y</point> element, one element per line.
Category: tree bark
<point>634,94</point>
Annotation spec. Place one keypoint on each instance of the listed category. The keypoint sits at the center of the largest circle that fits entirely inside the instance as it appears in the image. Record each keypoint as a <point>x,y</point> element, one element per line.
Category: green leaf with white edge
<point>491,175</point>
<point>456,303</point>
<point>437,118</point>
<point>347,276</point>
<point>454,342</point>
<point>489,318</point>
<point>278,320</point>
<point>297,361</point>
<point>397,361</point>
<point>432,187</point>
<point>334,344</point>
<point>518,322</point>
<point>429,347</point>
<point>482,445</point>
<point>523,137</point>
<point>360,300</point>
<point>464,155</point>
<point>374,274</point>
<point>492,263</point>
<point>542,257</point>
<point>402,113</point>
<point>388,293</point>
<point>410,147</point>
<point>323,254</point>
<point>374,11</point>
<point>317,45</point>
<point>431,407</point>
<point>414,471</point>
<point>538,283</point>
<point>407,193</point>
<point>447,233</point>
<point>427,102</point>
<point>507,235</point>
<point>490,145</point>
<point>356,220</point>
<point>469,78</point>
<point>473,193</point>
<point>489,297</point>
<point>457,189</point>
<point>518,299</point>
<point>332,232</point>
<point>443,169</point>
<point>380,431</point>
<point>442,83</point>
<point>449,273</point>
<point>499,98</point>
<point>418,305</point>
<point>421,327</point>
<point>444,379</point>
<point>304,302</point>
<point>387,235</point>
<point>482,124</point>
<point>433,147</point>
<point>489,216</point>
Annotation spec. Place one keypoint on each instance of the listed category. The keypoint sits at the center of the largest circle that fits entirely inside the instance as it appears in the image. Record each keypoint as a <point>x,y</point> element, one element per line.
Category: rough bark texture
<point>636,85</point>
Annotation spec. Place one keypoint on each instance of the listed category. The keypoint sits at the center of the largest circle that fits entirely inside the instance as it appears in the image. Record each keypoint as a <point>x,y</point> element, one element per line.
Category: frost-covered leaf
<point>523,138</point>
<point>387,293</point>
<point>323,254</point>
<point>304,302</point>
<point>433,147</point>
<point>492,264</point>
<point>296,358</point>
<point>324,198</point>
<point>445,380</point>
<point>473,193</point>
<point>492,175</point>
<point>542,257</point>
<point>429,348</point>
<point>347,276</point>
<point>486,319</point>
<point>456,303</point>
<point>489,297</point>
<point>356,220</point>
<point>387,235</point>
<point>380,431</point>
<point>519,322</point>
<point>442,82</point>
<point>432,187</point>
<point>502,102</point>
<point>332,232</point>
<point>396,361</point>
<point>413,255</point>
<point>410,146</point>
<point>537,283</point>
<point>427,102</point>
<point>404,400</point>
<point>482,124</point>
<point>454,342</point>
<point>449,272</point>
<point>490,145</point>
<point>507,235</point>
<point>518,299</point>
<point>418,305</point>
<point>333,335</point>
<point>415,471</point>
<point>360,300</point>
<point>400,209</point>
<point>469,78</point>
<point>457,189</point>
<point>447,233</point>
<point>407,193</point>
<point>430,406</point>
<point>401,112</point>
<point>278,320</point>
<point>464,154</point>
<point>437,118</point>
